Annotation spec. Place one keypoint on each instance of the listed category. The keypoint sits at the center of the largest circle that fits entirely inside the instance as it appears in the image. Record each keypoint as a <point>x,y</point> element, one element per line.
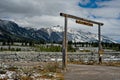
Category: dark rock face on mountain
<point>11,31</point>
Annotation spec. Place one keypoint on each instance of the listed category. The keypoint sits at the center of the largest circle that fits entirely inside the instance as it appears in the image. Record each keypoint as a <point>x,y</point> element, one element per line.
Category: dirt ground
<point>92,72</point>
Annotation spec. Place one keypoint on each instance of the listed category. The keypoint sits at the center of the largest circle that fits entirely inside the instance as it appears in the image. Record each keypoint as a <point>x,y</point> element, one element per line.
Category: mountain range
<point>9,30</point>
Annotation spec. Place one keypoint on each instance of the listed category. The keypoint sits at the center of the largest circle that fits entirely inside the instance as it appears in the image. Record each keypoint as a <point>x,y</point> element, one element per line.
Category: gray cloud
<point>45,13</point>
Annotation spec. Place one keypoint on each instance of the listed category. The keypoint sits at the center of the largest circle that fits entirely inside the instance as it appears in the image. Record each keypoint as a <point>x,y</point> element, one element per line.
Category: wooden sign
<point>84,23</point>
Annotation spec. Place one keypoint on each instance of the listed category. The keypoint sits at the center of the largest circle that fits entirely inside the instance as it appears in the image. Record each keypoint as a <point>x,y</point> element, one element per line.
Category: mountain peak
<point>57,28</point>
<point>11,30</point>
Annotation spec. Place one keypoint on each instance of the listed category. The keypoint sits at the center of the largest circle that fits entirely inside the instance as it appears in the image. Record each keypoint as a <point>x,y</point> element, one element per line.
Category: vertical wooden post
<point>99,44</point>
<point>65,45</point>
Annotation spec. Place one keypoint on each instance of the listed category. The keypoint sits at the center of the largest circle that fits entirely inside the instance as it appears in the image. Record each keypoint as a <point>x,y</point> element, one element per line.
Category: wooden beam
<point>79,18</point>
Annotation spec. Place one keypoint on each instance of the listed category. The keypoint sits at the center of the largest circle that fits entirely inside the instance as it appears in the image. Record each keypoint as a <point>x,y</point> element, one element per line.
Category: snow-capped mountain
<point>11,30</point>
<point>80,36</point>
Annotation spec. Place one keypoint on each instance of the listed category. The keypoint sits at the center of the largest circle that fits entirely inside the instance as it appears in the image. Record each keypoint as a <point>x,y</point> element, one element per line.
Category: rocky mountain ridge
<point>11,31</point>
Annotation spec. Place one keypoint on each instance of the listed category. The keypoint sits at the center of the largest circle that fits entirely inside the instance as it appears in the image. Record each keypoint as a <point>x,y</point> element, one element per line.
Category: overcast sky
<point>45,13</point>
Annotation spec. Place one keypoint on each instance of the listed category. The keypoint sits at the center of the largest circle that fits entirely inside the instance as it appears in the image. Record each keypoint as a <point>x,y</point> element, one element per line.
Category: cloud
<point>84,2</point>
<point>109,14</point>
<point>27,10</point>
<point>45,13</point>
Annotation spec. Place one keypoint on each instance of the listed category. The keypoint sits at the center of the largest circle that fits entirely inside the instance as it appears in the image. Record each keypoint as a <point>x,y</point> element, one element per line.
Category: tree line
<point>114,46</point>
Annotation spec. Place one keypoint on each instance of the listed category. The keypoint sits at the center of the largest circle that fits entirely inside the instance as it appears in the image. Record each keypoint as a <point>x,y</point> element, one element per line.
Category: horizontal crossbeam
<point>79,18</point>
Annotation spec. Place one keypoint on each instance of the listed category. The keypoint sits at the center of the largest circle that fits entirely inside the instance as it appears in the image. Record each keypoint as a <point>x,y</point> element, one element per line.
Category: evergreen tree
<point>3,43</point>
<point>119,47</point>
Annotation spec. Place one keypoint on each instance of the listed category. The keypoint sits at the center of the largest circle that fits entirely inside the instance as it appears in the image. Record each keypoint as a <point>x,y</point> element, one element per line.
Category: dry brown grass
<point>3,79</point>
<point>95,63</point>
<point>52,67</point>
<point>26,78</point>
<point>111,63</point>
<point>44,69</point>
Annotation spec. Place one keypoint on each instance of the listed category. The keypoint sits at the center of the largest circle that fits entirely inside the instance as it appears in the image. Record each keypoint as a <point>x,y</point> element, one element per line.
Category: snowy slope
<point>80,36</point>
<point>11,30</point>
